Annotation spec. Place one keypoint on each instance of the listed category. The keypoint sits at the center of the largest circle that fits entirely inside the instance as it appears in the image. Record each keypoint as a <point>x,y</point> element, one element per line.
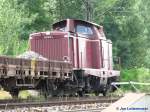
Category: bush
<point>137,75</point>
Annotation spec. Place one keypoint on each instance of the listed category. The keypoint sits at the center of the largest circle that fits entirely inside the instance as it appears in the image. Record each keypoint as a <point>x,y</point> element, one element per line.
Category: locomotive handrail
<point>132,83</point>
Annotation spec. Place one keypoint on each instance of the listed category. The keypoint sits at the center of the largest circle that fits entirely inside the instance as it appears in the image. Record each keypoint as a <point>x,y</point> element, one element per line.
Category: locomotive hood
<point>48,34</point>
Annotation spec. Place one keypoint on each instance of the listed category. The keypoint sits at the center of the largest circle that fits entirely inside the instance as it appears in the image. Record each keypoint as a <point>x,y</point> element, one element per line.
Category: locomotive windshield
<point>84,29</point>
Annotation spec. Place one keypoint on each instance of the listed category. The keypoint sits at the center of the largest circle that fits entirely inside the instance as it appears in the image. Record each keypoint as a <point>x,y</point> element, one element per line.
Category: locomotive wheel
<point>107,90</point>
<point>105,93</point>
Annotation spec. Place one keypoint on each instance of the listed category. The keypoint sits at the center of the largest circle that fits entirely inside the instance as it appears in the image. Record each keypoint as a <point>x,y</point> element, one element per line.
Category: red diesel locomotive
<point>79,61</point>
<point>84,45</point>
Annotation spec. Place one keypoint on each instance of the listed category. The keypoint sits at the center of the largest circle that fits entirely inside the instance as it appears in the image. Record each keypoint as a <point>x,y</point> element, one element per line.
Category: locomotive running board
<point>100,72</point>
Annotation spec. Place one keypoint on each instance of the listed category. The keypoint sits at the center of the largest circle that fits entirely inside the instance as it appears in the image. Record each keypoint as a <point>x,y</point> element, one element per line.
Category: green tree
<point>11,21</point>
<point>124,25</point>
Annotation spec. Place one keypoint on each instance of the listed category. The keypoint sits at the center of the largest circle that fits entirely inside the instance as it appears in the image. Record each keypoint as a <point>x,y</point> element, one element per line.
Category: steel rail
<point>19,104</point>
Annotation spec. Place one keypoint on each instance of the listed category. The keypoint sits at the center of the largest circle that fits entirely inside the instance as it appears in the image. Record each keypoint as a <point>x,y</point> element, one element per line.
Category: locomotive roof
<point>92,23</point>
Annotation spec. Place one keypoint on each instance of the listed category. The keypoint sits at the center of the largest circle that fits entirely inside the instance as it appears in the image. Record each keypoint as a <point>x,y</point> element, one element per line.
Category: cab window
<point>82,29</point>
<point>60,26</point>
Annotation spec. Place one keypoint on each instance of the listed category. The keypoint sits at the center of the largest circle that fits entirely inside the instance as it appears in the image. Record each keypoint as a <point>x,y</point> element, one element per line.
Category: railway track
<point>64,104</point>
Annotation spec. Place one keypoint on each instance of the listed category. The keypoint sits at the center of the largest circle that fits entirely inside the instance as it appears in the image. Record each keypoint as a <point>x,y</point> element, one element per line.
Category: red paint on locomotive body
<point>52,46</point>
<point>80,42</point>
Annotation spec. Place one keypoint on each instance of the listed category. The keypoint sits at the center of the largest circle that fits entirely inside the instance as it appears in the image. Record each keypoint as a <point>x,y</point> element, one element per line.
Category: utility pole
<point>89,9</point>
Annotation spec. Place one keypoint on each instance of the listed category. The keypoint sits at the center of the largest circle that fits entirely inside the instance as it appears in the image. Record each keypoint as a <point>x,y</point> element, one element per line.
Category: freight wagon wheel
<point>44,92</point>
<point>14,93</point>
<point>80,93</point>
<point>96,93</point>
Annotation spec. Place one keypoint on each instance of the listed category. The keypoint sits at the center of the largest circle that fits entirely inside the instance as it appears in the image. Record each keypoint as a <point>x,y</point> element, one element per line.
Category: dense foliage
<point>126,23</point>
<point>136,75</point>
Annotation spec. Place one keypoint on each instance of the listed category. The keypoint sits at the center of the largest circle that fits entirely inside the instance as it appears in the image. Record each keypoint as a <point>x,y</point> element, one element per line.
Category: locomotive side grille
<point>53,49</point>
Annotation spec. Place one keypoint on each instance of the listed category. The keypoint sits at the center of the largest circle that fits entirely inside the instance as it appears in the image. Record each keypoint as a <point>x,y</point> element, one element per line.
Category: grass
<point>34,95</point>
<point>4,95</point>
<point>24,94</point>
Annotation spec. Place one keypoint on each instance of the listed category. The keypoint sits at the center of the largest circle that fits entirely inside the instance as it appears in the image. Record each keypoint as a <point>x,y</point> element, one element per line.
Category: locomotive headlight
<point>65,35</point>
<point>69,36</point>
<point>48,33</point>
